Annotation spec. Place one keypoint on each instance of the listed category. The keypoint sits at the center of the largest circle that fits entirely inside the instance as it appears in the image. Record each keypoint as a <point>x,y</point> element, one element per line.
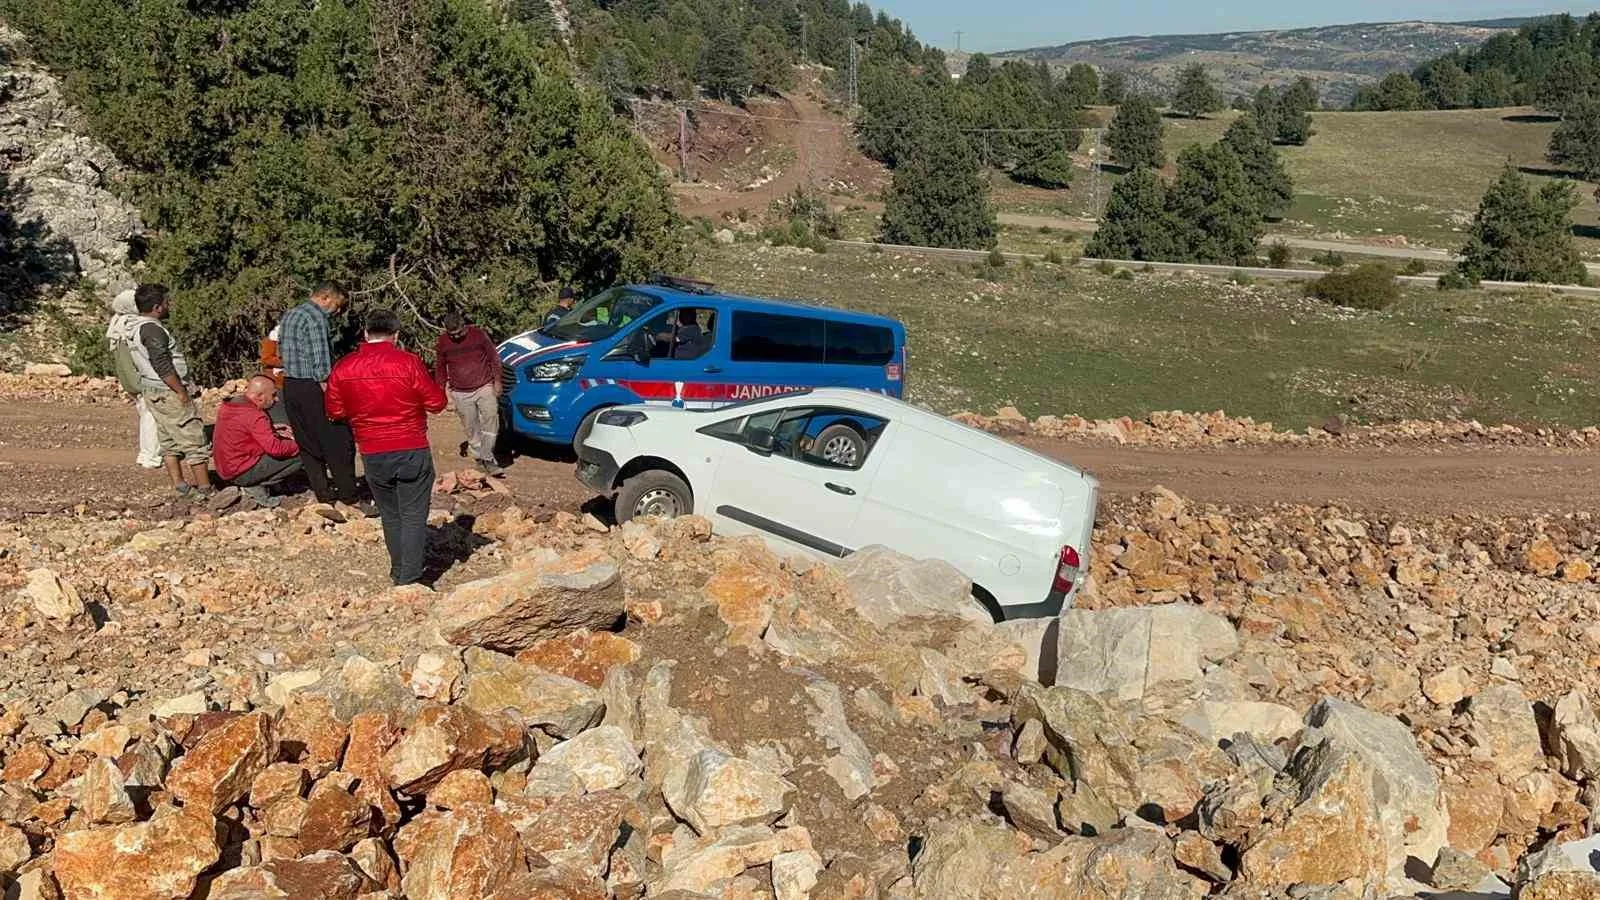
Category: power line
<point>849,126</point>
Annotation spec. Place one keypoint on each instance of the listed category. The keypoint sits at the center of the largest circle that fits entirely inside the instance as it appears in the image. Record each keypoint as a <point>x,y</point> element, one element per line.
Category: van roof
<point>669,294</point>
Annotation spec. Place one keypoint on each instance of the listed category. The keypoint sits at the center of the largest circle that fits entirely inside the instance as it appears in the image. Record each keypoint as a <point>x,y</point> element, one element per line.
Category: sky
<point>1017,24</point>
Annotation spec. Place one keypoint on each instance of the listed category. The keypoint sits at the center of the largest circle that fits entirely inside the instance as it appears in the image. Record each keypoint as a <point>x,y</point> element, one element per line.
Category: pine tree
<point>1045,161</point>
<point>1268,178</point>
<point>937,197</point>
<point>1082,84</point>
<point>725,68</point>
<point>1523,235</point>
<point>1576,142</point>
<point>1196,95</point>
<point>772,65</point>
<point>1293,123</point>
<point>979,70</point>
<point>1446,85</point>
<point>1493,88</point>
<point>1268,109</point>
<point>1114,87</point>
<point>1573,78</point>
<point>1136,224</point>
<point>1212,200</point>
<point>1136,134</point>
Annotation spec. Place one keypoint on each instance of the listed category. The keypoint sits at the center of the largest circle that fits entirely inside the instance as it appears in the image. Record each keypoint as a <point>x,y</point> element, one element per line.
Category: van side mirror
<point>761,441</point>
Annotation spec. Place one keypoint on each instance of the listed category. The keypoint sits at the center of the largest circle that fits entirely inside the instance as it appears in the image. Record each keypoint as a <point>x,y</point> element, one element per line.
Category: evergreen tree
<point>1269,180</point>
<point>725,71</point>
<point>1136,224</point>
<point>1397,91</point>
<point>1196,95</point>
<point>1573,78</point>
<point>937,197</point>
<point>1493,89</point>
<point>1576,142</point>
<point>1302,96</point>
<point>1136,134</point>
<point>1045,161</point>
<point>772,65</point>
<point>1114,87</point>
<point>1268,108</point>
<point>1446,85</point>
<point>1523,235</point>
<point>979,70</point>
<point>1082,84</point>
<point>1215,207</point>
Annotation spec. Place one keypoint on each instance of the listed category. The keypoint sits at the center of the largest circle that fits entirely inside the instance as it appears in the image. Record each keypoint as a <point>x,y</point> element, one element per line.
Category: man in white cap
<point>120,335</point>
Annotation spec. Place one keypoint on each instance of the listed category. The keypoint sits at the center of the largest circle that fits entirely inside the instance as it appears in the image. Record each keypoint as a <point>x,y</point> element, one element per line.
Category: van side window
<point>686,333</point>
<point>830,438</point>
<point>773,338</point>
<point>851,343</point>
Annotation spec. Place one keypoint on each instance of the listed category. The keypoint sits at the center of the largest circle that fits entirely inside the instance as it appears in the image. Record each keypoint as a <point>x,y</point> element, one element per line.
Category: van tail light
<point>1068,568</point>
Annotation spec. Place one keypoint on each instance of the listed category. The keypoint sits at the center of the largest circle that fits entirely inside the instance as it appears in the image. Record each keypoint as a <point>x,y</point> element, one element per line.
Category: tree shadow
<point>1174,114</point>
<point>1548,172</point>
<point>1592,232</point>
<point>32,260</point>
<point>1531,118</point>
<point>449,545</point>
<point>1111,168</point>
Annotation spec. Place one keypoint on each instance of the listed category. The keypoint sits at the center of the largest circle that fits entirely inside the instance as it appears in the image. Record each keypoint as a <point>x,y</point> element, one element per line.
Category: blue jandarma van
<point>680,343</point>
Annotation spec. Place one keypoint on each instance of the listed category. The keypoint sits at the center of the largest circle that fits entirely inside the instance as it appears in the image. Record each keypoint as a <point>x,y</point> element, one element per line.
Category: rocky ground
<point>1290,702</point>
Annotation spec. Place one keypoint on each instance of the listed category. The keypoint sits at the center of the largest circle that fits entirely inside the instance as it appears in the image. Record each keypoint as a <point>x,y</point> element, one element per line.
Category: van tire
<point>842,445</point>
<point>653,486</point>
<point>584,427</point>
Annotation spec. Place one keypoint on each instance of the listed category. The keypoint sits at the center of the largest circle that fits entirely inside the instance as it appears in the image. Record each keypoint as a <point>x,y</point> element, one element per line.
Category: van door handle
<point>840,489</point>
<point>712,370</point>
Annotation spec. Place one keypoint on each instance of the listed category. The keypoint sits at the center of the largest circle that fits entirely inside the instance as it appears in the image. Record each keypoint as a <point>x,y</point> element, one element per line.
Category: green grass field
<point>1054,340</point>
<point>1372,175</point>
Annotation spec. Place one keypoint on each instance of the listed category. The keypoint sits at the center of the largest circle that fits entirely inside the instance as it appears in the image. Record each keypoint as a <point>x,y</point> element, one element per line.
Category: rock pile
<point>1184,429</point>
<point>1295,704</point>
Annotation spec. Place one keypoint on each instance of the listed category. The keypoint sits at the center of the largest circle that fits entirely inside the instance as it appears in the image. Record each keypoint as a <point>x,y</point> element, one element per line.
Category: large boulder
<point>851,765</point>
<point>1152,654</point>
<point>218,772</point>
<point>1090,740</point>
<point>968,859</point>
<point>724,790</point>
<point>517,610</point>
<point>1331,835</point>
<point>443,739</point>
<point>1410,804</point>
<point>53,597</point>
<point>1219,720</point>
<point>1574,734</point>
<point>887,586</point>
<point>700,866</point>
<point>497,683</point>
<point>1504,724</point>
<point>578,832</point>
<point>325,875</point>
<point>602,758</point>
<point>1125,864</point>
<point>1560,872</point>
<point>155,860</point>
<point>459,854</point>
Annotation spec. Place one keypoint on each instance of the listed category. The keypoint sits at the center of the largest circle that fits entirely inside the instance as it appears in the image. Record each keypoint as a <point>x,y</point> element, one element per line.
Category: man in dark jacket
<point>386,394</point>
<point>564,304</point>
<point>307,352</point>
<point>467,366</point>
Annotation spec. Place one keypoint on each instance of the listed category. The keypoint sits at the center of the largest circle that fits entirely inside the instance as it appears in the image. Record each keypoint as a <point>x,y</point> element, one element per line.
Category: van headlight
<point>621,418</point>
<point>563,369</point>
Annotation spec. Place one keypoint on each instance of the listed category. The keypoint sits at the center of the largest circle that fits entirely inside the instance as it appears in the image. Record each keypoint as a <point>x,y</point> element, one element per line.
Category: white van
<point>831,470</point>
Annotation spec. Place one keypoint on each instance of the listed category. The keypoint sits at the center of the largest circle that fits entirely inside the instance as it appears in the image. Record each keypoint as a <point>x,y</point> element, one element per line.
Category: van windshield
<point>602,315</point>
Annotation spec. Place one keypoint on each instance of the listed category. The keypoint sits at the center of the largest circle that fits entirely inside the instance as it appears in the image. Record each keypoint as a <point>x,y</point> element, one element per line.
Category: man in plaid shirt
<point>326,448</point>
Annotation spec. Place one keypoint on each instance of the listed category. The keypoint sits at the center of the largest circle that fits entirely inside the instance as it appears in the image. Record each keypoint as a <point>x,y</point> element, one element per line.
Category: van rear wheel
<point>657,493</point>
<point>842,446</point>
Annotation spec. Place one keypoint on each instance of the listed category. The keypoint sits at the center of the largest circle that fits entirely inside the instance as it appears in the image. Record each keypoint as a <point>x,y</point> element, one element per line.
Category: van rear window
<point>862,345</point>
<point>768,337</point>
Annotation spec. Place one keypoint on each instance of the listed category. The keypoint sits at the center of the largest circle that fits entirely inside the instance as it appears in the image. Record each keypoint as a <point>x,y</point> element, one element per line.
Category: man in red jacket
<point>386,394</point>
<point>466,365</point>
<point>248,450</point>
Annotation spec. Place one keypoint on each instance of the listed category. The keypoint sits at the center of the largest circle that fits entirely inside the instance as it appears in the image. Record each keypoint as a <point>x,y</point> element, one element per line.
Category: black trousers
<point>326,448</point>
<point>402,487</point>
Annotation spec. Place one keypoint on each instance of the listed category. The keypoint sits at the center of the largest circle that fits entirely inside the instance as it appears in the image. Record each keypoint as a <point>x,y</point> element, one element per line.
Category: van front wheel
<point>655,493</point>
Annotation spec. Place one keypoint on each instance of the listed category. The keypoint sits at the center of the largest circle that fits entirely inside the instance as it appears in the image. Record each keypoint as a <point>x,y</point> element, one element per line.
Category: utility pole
<point>958,40</point>
<point>803,44</point>
<point>683,144</point>
<point>1094,175</point>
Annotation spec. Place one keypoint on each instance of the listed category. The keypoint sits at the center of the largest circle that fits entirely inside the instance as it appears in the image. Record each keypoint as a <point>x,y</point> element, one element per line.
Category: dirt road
<point>56,457</point>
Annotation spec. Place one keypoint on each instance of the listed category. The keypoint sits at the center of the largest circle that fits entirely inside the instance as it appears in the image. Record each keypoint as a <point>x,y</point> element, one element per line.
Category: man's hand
<point>283,431</point>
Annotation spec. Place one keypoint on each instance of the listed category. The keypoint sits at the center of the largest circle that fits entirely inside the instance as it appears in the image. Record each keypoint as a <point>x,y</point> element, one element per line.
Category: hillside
<point>1338,58</point>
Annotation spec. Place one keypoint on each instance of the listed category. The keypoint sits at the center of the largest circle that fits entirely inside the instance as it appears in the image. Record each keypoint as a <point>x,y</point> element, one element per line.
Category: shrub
<point>1105,267</point>
<point>1279,256</point>
<point>1367,286</point>
<point>89,354</point>
<point>1242,279</point>
<point>995,259</point>
<point>1454,281</point>
<point>1123,275</point>
<point>1414,267</point>
<point>1332,259</point>
<point>1053,257</point>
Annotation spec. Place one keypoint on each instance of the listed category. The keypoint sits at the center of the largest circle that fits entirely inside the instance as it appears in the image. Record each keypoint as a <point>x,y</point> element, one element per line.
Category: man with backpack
<point>120,335</point>
<point>163,388</point>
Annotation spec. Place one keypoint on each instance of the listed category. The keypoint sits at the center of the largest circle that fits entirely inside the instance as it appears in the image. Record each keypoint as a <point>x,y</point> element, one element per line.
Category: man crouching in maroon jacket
<point>386,394</point>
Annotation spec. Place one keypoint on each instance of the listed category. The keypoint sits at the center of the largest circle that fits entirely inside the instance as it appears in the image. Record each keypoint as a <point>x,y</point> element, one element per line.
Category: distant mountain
<point>1338,58</point>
